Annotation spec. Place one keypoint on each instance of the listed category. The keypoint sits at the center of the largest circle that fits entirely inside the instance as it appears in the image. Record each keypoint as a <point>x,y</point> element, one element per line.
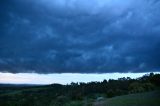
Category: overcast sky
<point>79,36</point>
<point>65,78</point>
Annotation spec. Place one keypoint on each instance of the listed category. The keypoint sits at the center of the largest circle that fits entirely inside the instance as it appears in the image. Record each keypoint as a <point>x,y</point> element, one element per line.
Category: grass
<point>74,103</point>
<point>141,99</point>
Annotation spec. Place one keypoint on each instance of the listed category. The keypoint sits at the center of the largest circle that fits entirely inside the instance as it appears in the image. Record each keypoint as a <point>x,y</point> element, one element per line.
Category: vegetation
<point>79,94</point>
<point>140,99</point>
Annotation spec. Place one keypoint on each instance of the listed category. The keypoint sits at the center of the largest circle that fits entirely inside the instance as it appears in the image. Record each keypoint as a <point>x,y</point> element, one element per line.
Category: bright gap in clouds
<point>66,78</point>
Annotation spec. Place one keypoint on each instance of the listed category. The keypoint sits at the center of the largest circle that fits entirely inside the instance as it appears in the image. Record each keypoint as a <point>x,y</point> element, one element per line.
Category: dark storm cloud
<point>99,36</point>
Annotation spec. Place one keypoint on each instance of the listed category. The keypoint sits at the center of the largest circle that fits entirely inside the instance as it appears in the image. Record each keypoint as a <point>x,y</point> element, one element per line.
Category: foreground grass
<point>45,97</point>
<point>141,99</point>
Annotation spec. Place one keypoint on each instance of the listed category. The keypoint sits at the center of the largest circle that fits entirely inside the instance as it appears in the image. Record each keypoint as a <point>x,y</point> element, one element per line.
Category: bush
<point>110,93</point>
<point>137,87</point>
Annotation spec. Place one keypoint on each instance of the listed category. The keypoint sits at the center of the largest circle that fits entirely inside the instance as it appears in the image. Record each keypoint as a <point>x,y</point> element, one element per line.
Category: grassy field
<point>141,99</point>
<point>43,96</point>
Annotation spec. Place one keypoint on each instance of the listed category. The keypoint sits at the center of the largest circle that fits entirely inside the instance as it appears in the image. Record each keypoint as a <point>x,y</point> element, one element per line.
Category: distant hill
<point>18,85</point>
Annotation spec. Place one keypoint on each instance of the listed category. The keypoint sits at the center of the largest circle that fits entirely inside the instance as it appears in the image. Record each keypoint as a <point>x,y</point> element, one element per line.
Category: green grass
<point>141,99</point>
<point>18,98</point>
<point>74,103</point>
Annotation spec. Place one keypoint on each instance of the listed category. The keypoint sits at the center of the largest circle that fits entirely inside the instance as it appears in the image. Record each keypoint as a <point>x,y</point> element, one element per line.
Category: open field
<point>141,99</point>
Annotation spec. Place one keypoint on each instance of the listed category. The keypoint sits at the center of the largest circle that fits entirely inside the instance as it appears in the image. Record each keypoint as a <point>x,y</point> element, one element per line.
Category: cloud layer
<point>62,36</point>
<point>65,78</point>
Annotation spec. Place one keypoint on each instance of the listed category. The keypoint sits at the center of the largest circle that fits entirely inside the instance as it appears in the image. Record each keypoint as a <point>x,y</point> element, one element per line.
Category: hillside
<point>151,98</point>
<point>140,99</point>
<point>143,91</point>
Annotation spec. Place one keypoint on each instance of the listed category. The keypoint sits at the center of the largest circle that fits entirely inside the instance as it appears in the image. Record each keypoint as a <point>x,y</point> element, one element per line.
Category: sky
<point>64,78</point>
<point>79,36</point>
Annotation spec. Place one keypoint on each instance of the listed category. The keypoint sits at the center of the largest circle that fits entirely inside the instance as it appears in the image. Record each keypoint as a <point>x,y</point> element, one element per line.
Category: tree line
<point>110,88</point>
